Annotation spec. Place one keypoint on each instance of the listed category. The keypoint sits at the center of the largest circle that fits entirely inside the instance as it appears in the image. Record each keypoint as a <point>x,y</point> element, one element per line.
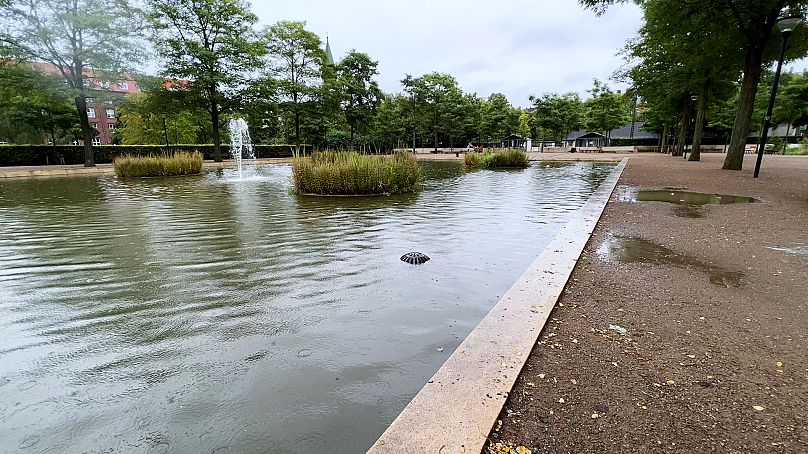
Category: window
<point>105,84</point>
<point>110,113</point>
<point>94,125</point>
<point>111,126</point>
<point>90,112</point>
<point>123,85</point>
<point>96,141</point>
<point>89,100</point>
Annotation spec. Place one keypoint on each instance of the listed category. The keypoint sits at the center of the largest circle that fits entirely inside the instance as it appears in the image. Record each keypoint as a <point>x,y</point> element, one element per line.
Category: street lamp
<point>165,132</point>
<point>786,25</point>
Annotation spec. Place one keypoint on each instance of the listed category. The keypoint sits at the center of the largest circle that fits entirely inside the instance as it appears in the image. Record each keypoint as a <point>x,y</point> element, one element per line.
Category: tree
<point>605,110</point>
<point>82,39</point>
<point>499,118</point>
<point>751,25</point>
<point>141,116</point>
<point>212,45</point>
<point>434,96</point>
<point>361,94</point>
<point>296,60</point>
<point>557,115</point>
<point>34,104</point>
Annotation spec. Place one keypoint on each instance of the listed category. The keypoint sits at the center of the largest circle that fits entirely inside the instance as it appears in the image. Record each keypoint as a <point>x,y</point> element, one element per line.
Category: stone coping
<point>456,409</point>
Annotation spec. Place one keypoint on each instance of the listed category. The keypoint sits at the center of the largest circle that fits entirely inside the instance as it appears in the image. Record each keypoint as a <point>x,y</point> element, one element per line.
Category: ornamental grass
<point>497,159</point>
<point>351,173</point>
<point>182,163</point>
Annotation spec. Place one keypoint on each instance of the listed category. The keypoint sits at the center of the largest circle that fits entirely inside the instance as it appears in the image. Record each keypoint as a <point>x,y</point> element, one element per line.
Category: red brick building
<point>102,105</point>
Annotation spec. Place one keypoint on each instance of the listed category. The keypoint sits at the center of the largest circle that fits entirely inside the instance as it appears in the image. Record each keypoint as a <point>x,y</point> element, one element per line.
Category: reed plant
<point>351,173</point>
<point>497,159</point>
<point>182,163</point>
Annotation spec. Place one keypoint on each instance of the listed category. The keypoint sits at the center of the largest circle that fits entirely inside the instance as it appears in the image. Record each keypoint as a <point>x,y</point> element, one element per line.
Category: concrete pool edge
<point>456,409</point>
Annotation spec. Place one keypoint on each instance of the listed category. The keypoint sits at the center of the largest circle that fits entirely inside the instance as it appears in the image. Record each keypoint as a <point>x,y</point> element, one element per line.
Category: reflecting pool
<point>223,314</point>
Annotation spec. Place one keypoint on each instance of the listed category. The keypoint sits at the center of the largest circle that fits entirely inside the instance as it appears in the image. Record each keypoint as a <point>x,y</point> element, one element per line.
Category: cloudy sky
<point>516,47</point>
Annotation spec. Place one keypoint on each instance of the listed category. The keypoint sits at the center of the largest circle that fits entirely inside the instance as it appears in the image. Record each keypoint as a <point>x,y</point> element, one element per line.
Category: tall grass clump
<point>182,163</point>
<point>350,173</point>
<point>497,159</point>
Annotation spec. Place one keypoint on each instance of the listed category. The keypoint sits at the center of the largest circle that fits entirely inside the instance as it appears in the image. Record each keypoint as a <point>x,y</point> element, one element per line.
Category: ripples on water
<point>207,313</point>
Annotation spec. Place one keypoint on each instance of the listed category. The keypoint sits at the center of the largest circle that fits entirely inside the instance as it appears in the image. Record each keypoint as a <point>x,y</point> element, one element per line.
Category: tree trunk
<point>701,113</point>
<point>752,69</point>
<point>217,138</point>
<point>435,132</point>
<point>682,141</point>
<point>350,144</point>
<point>785,145</point>
<point>664,138</point>
<point>86,130</point>
<point>297,129</point>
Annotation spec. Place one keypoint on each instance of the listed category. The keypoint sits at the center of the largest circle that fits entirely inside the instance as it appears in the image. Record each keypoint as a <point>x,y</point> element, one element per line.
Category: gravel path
<point>715,311</point>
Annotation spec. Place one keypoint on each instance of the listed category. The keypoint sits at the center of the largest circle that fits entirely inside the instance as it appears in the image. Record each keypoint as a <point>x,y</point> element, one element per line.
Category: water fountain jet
<point>240,143</point>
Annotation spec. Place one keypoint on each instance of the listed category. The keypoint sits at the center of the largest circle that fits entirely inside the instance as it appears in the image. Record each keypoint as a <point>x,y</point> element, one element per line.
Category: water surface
<point>212,314</point>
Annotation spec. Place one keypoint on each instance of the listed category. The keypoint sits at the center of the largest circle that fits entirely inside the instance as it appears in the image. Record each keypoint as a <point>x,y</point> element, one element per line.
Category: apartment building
<point>106,94</point>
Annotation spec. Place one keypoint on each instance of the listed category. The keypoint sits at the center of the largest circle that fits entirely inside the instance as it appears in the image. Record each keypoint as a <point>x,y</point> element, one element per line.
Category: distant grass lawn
<point>182,163</point>
<point>351,173</point>
<point>497,159</point>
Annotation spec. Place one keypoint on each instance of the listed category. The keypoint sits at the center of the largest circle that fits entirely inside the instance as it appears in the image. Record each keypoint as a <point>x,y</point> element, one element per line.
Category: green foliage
<point>361,94</point>
<point>497,159</point>
<point>605,110</point>
<point>210,43</point>
<point>34,105</point>
<point>499,118</point>
<point>141,117</point>
<point>296,61</point>
<point>435,99</point>
<point>557,116</point>
<point>75,37</point>
<point>158,166</point>
<point>802,150</point>
<point>350,173</point>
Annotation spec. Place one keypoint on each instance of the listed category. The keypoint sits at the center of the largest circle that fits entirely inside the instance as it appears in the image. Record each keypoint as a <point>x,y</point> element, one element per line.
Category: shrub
<point>802,150</point>
<point>182,163</point>
<point>350,173</point>
<point>498,159</point>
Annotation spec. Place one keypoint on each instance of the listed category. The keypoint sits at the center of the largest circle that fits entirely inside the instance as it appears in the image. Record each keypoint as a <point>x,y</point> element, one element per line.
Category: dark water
<point>208,314</point>
<point>628,249</point>
<point>688,203</point>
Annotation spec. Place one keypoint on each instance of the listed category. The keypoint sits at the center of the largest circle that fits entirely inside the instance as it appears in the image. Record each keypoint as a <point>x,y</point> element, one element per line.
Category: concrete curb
<point>455,411</point>
<point>105,169</point>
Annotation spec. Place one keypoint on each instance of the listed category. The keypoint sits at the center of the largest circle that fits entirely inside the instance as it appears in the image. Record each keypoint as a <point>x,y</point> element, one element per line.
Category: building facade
<point>106,94</point>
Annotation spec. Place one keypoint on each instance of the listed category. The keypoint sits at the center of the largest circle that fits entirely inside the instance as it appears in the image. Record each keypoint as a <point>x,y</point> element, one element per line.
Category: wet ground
<point>645,353</point>
<point>689,204</point>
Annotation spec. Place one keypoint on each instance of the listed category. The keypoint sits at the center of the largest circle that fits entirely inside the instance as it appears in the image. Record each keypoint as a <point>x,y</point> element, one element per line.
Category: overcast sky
<point>516,47</point>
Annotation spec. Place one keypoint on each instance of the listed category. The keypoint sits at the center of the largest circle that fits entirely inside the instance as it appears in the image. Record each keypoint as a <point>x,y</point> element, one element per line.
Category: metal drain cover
<point>414,258</point>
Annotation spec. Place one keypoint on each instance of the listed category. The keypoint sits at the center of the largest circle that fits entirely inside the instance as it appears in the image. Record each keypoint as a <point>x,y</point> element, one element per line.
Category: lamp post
<point>786,25</point>
<point>165,131</point>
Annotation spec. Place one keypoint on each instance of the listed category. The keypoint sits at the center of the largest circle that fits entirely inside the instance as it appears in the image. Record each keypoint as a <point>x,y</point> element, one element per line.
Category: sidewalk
<point>715,313</point>
<point>103,169</point>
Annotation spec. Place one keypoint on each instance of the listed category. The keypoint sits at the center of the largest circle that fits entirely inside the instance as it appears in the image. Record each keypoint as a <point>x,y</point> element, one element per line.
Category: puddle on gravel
<point>798,249</point>
<point>627,249</point>
<point>688,203</point>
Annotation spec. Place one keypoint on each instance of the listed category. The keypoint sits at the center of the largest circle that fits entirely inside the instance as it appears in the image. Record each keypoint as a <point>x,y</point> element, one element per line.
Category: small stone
<point>595,416</point>
<point>542,375</point>
<point>758,408</point>
<point>561,401</point>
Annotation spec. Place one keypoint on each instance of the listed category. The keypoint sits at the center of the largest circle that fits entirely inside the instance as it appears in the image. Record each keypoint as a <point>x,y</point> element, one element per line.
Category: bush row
<point>37,155</point>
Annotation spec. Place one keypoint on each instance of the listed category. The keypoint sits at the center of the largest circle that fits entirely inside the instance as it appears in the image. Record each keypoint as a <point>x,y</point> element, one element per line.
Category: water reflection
<point>211,312</point>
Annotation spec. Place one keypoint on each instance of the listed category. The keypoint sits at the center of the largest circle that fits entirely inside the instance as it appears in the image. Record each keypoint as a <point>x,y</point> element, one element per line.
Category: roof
<point>513,136</point>
<point>575,135</point>
<point>625,132</point>
<point>329,57</point>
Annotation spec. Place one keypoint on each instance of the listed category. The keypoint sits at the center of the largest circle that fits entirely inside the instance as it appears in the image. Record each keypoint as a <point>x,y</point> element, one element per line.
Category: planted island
<point>497,159</point>
<point>351,173</point>
<point>182,163</point>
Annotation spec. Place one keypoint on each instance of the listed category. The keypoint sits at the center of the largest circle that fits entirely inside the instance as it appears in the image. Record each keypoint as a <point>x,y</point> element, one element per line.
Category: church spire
<point>329,57</point>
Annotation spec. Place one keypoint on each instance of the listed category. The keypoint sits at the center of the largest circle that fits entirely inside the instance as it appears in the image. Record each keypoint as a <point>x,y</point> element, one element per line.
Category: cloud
<point>516,47</point>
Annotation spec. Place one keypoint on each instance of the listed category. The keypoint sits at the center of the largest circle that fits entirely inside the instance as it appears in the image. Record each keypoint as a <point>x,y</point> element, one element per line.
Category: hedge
<point>37,155</point>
